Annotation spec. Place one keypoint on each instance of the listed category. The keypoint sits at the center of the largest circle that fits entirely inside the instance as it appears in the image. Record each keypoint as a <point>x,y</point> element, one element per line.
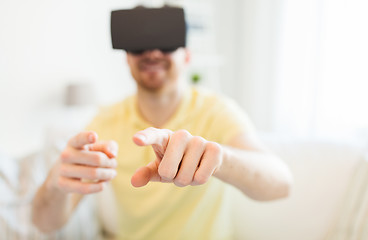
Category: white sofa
<point>325,203</point>
<point>19,180</point>
<point>328,196</point>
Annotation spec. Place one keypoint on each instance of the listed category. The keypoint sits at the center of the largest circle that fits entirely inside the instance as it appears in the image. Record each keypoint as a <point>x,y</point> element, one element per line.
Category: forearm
<point>52,208</point>
<point>261,176</point>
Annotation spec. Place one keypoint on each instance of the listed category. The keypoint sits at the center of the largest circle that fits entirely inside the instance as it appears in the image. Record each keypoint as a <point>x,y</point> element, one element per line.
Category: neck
<point>158,107</point>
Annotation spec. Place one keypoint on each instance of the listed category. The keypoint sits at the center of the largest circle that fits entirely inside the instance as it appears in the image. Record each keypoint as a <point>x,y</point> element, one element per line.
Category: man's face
<point>154,70</point>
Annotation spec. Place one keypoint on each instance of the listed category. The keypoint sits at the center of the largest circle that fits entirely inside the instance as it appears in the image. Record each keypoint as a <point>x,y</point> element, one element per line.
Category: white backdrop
<point>322,78</point>
<point>298,67</point>
<point>44,46</point>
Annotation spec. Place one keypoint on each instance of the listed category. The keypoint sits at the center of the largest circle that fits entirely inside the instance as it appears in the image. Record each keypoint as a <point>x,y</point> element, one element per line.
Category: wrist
<point>224,156</point>
<point>52,182</point>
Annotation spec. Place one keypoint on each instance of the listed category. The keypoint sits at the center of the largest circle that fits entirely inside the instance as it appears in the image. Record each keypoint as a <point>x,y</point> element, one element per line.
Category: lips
<point>152,66</point>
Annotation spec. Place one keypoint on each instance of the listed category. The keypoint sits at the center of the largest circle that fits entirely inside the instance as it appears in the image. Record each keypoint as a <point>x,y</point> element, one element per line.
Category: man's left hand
<point>182,159</point>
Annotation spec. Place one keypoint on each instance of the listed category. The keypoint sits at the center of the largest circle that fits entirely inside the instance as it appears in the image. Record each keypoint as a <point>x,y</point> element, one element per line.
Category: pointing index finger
<point>151,136</point>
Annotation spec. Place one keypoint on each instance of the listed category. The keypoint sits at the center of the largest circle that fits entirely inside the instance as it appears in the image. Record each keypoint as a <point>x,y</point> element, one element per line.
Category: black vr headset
<point>140,29</point>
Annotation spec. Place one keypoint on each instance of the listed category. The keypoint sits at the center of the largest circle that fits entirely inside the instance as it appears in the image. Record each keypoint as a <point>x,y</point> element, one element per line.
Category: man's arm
<point>257,172</point>
<point>84,167</point>
<point>191,160</point>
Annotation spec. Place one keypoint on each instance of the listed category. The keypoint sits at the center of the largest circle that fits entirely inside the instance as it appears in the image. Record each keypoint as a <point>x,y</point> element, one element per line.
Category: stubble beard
<point>153,81</point>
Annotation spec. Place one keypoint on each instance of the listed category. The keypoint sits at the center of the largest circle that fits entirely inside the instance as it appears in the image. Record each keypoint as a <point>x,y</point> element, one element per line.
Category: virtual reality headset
<point>140,29</point>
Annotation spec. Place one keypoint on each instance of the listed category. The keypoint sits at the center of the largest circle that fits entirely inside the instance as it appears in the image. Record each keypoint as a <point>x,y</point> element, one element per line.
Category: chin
<point>152,86</point>
<point>152,82</point>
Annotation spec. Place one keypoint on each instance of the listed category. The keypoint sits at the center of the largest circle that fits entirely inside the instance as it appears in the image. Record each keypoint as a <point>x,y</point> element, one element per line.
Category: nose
<point>154,53</point>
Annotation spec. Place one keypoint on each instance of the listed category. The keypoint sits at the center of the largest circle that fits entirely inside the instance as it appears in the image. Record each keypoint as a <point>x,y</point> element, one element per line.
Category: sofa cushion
<point>19,181</point>
<point>322,172</point>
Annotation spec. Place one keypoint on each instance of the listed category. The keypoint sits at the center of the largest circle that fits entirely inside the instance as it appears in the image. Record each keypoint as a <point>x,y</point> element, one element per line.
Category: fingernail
<point>114,152</point>
<point>141,137</point>
<point>91,138</point>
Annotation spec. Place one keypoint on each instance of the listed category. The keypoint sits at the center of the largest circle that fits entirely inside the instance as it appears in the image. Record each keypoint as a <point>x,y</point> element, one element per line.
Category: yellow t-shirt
<point>161,211</point>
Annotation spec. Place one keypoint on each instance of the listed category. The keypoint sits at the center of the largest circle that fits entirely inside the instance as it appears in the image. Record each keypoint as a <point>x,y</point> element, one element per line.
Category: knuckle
<point>213,147</point>
<point>111,174</point>
<point>90,188</point>
<point>181,134</point>
<point>84,189</point>
<point>65,155</point>
<point>114,163</point>
<point>97,159</point>
<point>111,163</point>
<point>182,181</point>
<point>197,141</point>
<point>94,173</point>
<point>166,173</point>
<point>101,187</point>
<point>200,179</point>
<point>103,174</point>
<point>168,131</point>
<point>112,145</point>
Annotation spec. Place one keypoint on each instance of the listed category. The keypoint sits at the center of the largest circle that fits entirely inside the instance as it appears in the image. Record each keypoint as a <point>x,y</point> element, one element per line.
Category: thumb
<point>145,174</point>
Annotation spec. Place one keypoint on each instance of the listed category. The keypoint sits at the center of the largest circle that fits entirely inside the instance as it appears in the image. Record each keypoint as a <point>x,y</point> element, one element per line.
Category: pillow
<point>19,181</point>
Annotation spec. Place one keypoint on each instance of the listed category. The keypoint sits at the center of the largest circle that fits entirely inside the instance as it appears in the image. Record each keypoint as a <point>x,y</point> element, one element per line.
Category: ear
<point>127,57</point>
<point>188,55</point>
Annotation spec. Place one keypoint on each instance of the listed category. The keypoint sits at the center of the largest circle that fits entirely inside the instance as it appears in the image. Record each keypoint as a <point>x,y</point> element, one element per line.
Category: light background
<point>297,67</point>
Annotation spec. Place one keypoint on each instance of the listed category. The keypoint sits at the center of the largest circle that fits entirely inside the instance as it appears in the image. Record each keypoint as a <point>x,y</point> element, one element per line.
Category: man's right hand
<point>85,165</point>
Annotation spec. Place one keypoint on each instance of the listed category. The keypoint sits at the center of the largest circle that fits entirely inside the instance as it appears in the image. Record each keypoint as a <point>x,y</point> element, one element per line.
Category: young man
<point>190,143</point>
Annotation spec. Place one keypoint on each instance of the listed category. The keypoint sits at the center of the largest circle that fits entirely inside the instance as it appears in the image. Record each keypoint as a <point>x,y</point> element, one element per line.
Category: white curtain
<point>321,82</point>
<point>299,67</point>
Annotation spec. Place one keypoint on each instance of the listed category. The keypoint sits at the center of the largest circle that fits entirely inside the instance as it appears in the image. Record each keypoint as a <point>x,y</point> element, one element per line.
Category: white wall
<point>45,45</point>
<point>247,37</point>
<point>322,70</point>
<point>258,49</point>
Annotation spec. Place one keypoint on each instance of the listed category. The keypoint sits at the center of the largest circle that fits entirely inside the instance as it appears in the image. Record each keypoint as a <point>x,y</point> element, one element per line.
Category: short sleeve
<point>230,120</point>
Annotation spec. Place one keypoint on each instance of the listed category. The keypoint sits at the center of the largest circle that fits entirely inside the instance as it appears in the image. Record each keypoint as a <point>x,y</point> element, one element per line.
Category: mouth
<point>152,66</point>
